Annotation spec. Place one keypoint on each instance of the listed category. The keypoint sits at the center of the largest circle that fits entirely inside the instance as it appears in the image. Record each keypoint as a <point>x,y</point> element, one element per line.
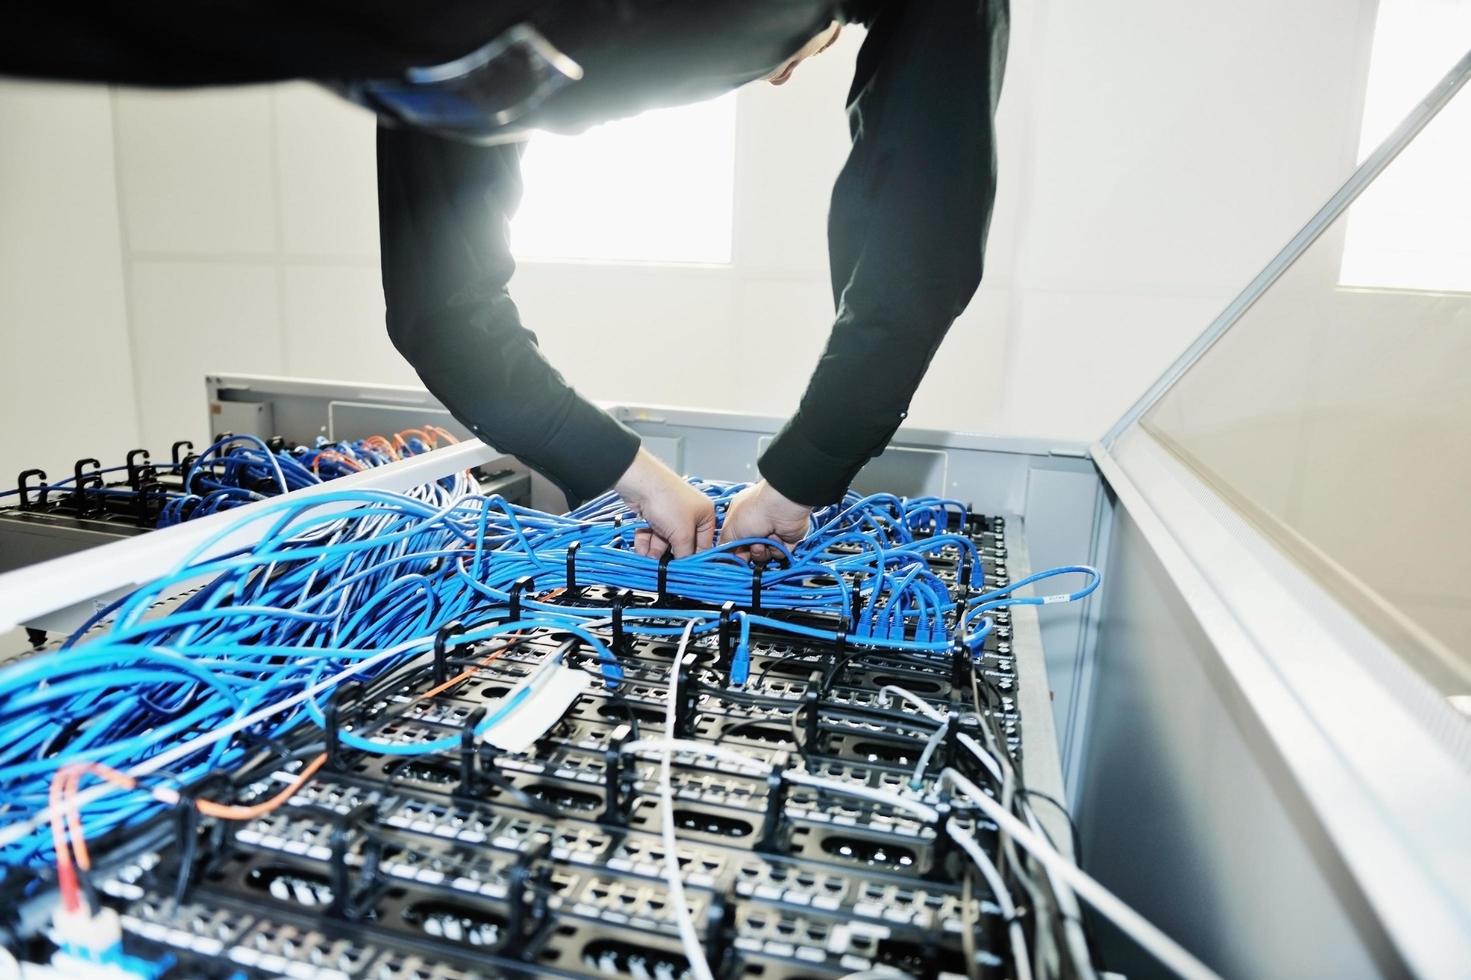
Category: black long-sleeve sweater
<point>906,231</point>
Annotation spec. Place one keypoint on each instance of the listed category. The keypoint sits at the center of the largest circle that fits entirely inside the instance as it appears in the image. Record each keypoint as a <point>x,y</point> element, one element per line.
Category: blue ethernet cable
<point>335,579</point>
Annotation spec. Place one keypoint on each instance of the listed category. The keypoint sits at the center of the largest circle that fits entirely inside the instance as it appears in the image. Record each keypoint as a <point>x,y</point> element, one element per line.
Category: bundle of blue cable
<point>241,469</point>
<point>359,583</point>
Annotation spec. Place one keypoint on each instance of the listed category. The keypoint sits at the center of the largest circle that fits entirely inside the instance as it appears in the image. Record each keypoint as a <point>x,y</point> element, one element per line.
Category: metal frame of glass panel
<point>1361,178</point>
<point>1377,760</point>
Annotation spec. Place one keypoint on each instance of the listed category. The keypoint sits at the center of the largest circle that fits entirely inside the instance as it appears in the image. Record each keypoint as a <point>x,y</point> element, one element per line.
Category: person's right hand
<point>680,518</point>
<point>761,511</point>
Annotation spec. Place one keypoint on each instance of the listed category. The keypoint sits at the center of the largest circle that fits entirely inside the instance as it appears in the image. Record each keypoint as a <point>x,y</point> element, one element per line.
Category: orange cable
<point>230,811</point>
<point>66,785</point>
<point>66,875</point>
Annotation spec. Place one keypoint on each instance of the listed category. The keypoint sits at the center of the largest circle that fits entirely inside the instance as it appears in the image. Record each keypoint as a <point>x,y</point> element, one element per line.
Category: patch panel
<point>805,851</point>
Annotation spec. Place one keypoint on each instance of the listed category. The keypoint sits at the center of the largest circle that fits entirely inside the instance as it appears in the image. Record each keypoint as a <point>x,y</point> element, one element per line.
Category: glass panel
<point>1394,237</point>
<point>1339,419</point>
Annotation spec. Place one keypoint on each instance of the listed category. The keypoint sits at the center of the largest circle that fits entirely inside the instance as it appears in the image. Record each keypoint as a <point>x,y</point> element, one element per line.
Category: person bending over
<point>458,83</point>
<point>906,232</point>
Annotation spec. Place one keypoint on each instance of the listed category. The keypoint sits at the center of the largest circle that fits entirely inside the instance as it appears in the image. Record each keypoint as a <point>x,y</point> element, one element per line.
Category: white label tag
<point>534,717</point>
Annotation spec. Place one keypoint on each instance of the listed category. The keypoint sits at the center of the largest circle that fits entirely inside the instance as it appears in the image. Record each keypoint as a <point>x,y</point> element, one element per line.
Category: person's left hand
<point>824,40</point>
<point>761,511</point>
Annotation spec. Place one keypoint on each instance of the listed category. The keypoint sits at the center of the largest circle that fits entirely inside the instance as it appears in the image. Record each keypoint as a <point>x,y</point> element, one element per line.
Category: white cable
<point>1138,928</point>
<point>917,780</point>
<point>996,761</point>
<point>670,745</point>
<point>920,810</point>
<point>986,866</point>
<point>14,832</point>
<point>993,766</point>
<point>919,703</point>
<point>989,871</point>
<point>1067,904</point>
<point>966,841</point>
<point>688,937</point>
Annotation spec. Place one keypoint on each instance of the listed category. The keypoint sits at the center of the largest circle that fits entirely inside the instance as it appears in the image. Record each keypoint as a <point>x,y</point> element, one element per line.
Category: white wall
<point>251,244</point>
<point>66,376</point>
<point>1153,157</point>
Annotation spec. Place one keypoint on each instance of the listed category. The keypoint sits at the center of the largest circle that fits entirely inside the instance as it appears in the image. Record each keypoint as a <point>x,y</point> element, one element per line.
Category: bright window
<point>655,188</point>
<point>1412,228</point>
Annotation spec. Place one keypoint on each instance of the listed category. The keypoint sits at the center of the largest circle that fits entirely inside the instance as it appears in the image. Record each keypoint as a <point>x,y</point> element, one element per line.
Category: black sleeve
<point>906,232</point>
<point>444,210</point>
<point>185,42</point>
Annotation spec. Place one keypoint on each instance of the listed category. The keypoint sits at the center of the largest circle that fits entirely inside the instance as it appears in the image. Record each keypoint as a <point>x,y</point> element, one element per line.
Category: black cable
<point>841,663</point>
<point>620,699</point>
<point>1083,919</point>
<point>797,739</point>
<point>1072,824</point>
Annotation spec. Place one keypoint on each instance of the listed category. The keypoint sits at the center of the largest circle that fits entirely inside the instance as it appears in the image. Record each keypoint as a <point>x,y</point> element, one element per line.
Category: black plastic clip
<point>343,900</point>
<point>151,497</point>
<point>776,802</point>
<point>469,783</point>
<point>332,720</point>
<point>720,931</point>
<point>664,561</point>
<point>960,668</point>
<point>811,706</point>
<point>523,584</point>
<point>276,444</point>
<point>857,603</point>
<point>965,571</point>
<point>840,642</point>
<point>134,468</point>
<point>442,651</point>
<point>185,465</point>
<point>950,751</point>
<point>25,489</point>
<point>521,926</point>
<point>572,589</point>
<point>187,818</point>
<point>186,832</point>
<point>686,701</point>
<point>727,636</point>
<point>83,481</point>
<point>174,451</point>
<point>619,598</point>
<point>976,524</point>
<point>757,570</point>
<point>613,788</point>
